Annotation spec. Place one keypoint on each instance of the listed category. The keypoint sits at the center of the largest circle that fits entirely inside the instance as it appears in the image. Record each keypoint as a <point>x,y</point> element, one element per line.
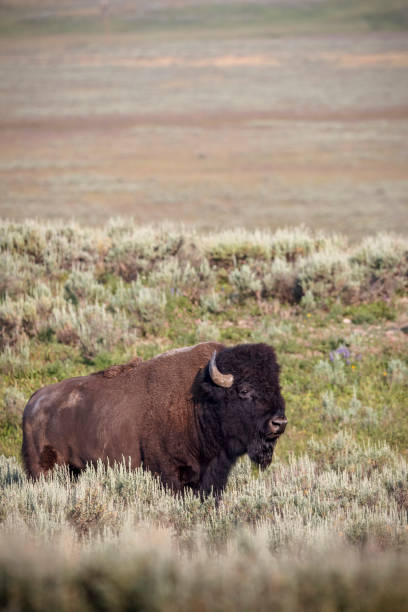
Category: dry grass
<point>325,531</point>
<point>325,527</point>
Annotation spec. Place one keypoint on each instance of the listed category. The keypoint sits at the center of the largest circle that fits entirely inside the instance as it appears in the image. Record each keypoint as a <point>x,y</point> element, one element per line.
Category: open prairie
<point>218,114</point>
<point>223,114</point>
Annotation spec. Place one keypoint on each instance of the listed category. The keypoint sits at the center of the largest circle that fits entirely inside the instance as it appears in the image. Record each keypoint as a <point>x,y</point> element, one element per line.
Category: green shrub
<point>13,406</point>
<point>308,302</point>
<point>381,252</point>
<point>279,279</point>
<point>81,286</point>
<point>139,248</point>
<point>397,372</point>
<point>326,274</point>
<point>92,512</point>
<point>15,360</point>
<point>245,281</point>
<point>228,247</point>
<point>10,322</point>
<point>272,330</point>
<point>16,272</point>
<point>183,277</point>
<point>211,302</point>
<point>93,328</point>
<point>333,373</point>
<point>206,331</point>
<point>296,243</point>
<point>355,414</point>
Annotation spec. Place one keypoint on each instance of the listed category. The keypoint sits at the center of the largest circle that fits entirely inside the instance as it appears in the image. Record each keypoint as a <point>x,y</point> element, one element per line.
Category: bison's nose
<point>278,424</point>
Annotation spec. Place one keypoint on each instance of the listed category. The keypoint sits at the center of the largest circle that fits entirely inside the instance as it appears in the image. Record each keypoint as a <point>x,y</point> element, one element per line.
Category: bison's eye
<point>246,392</point>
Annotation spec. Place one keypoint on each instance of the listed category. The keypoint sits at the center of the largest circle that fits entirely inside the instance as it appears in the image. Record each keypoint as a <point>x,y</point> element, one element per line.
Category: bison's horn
<point>222,380</point>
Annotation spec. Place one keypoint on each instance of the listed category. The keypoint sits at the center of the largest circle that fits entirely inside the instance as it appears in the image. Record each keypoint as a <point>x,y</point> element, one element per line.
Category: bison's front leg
<point>215,476</point>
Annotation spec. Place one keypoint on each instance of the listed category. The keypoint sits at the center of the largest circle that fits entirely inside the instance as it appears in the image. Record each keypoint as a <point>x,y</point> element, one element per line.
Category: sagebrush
<point>325,527</point>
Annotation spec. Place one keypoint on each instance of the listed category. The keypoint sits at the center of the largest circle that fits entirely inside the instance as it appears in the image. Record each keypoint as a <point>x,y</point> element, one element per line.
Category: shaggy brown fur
<point>166,414</point>
<point>123,368</point>
<point>48,458</point>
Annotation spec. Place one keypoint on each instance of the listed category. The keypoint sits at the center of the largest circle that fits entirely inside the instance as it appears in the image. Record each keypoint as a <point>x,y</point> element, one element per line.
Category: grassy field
<point>195,17</point>
<point>219,114</point>
<point>223,114</point>
<point>77,299</point>
<point>308,535</point>
<point>324,528</point>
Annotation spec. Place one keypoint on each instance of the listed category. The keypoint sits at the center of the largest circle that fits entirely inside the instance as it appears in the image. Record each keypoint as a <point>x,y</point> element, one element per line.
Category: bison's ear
<point>245,391</point>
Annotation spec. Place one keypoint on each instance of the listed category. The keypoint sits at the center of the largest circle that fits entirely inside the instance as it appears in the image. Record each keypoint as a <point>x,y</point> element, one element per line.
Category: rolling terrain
<point>220,115</point>
<point>325,527</point>
<point>243,120</point>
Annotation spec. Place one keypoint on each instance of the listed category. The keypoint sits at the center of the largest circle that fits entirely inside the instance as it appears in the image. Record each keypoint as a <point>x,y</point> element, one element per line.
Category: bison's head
<point>244,386</point>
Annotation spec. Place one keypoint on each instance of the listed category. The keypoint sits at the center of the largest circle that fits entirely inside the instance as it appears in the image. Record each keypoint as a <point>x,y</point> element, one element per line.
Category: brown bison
<point>186,415</point>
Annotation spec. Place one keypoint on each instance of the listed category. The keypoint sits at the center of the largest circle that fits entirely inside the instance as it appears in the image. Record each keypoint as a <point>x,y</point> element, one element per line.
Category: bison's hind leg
<point>46,462</point>
<point>74,471</point>
<point>48,458</point>
<point>39,464</point>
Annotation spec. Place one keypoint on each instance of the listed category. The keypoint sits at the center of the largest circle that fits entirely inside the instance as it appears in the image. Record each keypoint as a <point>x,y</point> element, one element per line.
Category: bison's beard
<point>261,451</point>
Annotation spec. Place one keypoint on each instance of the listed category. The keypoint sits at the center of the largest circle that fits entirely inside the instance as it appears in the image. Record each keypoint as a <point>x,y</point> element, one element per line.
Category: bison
<point>186,415</point>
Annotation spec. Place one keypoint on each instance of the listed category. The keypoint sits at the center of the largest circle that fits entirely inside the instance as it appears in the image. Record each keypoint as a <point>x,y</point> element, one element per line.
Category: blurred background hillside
<point>216,113</point>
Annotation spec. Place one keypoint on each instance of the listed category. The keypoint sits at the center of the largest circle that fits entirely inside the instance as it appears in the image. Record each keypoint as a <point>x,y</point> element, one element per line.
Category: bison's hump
<point>116,370</point>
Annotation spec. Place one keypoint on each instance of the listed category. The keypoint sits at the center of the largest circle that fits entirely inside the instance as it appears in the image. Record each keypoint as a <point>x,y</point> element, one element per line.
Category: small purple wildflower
<point>342,351</point>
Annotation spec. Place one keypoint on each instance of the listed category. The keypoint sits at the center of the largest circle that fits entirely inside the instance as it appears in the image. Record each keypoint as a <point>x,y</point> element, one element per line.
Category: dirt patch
<point>349,60</point>
<point>214,120</point>
<point>213,169</point>
<point>233,132</point>
<point>221,61</point>
<point>343,60</point>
